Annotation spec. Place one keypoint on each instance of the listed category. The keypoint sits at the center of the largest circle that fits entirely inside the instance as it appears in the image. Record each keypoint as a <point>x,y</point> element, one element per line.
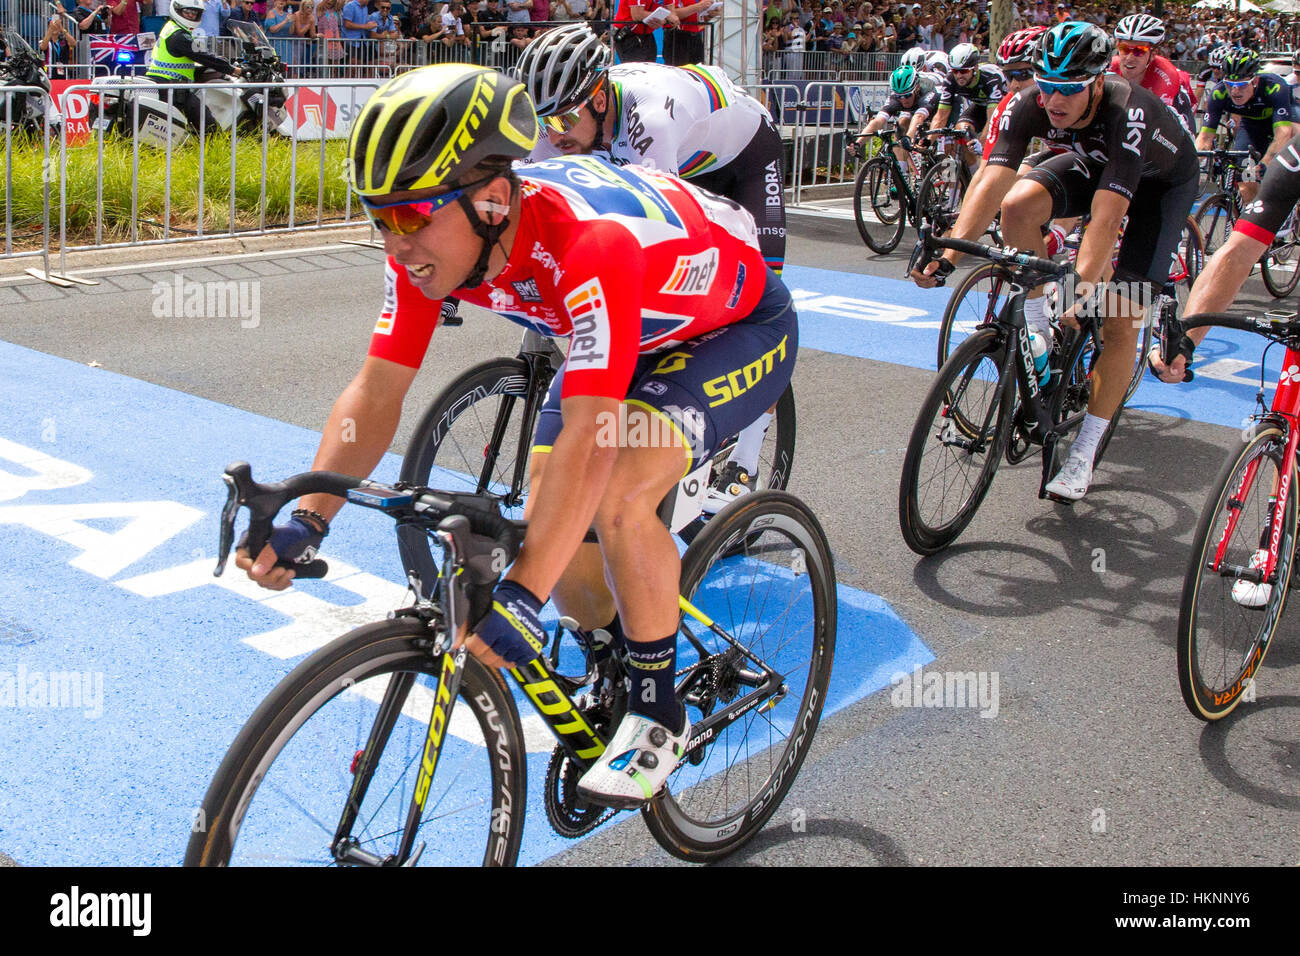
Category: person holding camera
<point>56,47</point>
<point>95,19</point>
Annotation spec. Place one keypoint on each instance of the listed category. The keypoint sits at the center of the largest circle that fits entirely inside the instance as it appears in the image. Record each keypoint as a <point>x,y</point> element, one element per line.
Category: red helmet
<point>1018,47</point>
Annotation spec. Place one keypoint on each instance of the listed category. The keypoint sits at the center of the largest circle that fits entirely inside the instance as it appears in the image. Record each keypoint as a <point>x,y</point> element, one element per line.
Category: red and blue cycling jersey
<point>624,260</point>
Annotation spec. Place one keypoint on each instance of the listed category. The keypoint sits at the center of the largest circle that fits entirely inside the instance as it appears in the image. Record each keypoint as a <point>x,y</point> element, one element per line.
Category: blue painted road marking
<point>109,496</point>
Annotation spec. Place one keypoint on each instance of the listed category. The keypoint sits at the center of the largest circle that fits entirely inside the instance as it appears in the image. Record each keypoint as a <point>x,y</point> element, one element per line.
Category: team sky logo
<point>527,290</point>
<point>589,311</point>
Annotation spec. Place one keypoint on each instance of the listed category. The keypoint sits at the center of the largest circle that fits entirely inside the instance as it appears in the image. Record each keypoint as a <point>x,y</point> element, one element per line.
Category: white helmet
<point>1141,28</point>
<point>179,9</point>
<point>562,67</point>
<point>964,56</point>
<point>936,61</point>
<point>913,58</point>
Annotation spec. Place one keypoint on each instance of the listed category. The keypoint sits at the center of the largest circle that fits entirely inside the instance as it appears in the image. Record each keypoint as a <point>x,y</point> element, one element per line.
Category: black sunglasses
<point>1018,75</point>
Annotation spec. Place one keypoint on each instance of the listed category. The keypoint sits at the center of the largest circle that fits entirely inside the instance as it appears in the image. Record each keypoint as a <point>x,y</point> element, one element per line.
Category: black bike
<point>476,436</point>
<point>986,403</point>
<point>389,747</point>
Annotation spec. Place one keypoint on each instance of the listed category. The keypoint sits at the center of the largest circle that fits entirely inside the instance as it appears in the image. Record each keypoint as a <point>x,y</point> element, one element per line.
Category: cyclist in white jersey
<point>691,121</point>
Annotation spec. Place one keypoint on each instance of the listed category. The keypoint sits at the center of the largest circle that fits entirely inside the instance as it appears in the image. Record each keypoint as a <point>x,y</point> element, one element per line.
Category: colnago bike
<point>984,289</point>
<point>986,402</point>
<point>389,747</point>
<point>477,435</point>
<point>1243,551</point>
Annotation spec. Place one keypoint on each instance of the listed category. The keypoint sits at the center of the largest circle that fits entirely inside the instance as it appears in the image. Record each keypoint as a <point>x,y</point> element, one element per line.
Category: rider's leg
<point>1024,211</point>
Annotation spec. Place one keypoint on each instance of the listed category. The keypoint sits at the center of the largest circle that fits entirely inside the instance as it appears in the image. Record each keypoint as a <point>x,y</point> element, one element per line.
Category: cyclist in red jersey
<point>1137,38</point>
<point>673,320</point>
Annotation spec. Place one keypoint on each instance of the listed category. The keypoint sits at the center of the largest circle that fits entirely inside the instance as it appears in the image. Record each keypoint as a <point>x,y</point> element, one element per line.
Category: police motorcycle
<point>25,113</point>
<point>123,99</point>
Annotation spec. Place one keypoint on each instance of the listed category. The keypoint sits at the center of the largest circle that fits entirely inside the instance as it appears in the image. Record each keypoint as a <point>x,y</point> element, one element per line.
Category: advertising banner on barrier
<point>75,108</point>
<point>824,104</point>
<point>329,108</point>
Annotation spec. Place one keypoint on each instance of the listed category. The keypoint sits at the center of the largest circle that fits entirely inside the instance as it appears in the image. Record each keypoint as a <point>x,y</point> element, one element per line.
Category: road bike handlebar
<point>1012,258</point>
<point>457,514</point>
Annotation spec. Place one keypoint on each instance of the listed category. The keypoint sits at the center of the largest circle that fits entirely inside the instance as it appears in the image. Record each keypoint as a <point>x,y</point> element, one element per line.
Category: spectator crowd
<point>351,33</point>
<point>836,30</point>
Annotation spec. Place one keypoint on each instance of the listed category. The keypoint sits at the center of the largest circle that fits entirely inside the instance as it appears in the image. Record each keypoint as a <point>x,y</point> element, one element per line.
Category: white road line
<point>153,266</point>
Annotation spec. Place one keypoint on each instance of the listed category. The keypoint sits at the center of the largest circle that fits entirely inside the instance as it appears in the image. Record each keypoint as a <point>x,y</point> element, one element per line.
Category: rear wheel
<point>1281,265</point>
<point>956,444</point>
<point>1227,620</point>
<point>878,197</point>
<point>762,572</point>
<point>939,196</point>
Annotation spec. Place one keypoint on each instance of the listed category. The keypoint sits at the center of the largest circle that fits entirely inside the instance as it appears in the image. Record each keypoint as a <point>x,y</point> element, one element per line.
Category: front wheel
<point>956,445</point>
<point>342,738</point>
<point>878,197</point>
<point>762,573</point>
<point>471,438</point>
<point>1228,616</point>
<point>1280,266</point>
<point>1215,219</point>
<point>978,299</point>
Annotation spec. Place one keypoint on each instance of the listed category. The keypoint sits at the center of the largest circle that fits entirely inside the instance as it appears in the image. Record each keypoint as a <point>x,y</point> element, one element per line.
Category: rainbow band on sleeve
<point>717,96</point>
<point>697,163</point>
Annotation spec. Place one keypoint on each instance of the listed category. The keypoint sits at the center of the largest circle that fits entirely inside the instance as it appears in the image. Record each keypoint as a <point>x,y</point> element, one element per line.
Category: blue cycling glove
<point>511,628</point>
<point>294,543</point>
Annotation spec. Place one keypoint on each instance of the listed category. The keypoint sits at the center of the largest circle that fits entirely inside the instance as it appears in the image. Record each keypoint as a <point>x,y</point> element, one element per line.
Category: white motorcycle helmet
<point>186,14</point>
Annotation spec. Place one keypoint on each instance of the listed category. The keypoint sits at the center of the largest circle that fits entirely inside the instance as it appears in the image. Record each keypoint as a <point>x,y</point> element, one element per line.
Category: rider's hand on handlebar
<point>295,542</point>
<point>933,273</point>
<point>1173,373</point>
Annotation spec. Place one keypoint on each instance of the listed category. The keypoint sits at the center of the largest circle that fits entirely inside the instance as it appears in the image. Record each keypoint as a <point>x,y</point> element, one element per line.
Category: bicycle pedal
<point>1056,498</point>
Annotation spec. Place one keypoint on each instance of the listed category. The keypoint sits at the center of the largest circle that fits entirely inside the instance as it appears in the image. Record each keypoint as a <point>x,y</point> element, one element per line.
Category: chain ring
<point>569,816</point>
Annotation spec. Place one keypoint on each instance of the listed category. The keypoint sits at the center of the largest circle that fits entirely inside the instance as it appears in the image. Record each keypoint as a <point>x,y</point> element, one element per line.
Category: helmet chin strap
<point>491,235</point>
<point>599,143</point>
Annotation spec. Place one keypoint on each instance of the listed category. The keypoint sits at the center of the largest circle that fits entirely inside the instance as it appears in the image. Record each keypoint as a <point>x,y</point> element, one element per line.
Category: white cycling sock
<point>1090,433</point>
<point>748,443</point>
<point>1036,317</point>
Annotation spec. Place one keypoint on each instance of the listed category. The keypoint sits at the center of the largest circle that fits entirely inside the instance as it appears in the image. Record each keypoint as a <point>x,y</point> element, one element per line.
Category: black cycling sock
<point>653,667</point>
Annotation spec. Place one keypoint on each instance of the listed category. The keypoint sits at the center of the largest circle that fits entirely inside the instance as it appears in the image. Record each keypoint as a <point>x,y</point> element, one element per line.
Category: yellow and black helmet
<point>431,126</point>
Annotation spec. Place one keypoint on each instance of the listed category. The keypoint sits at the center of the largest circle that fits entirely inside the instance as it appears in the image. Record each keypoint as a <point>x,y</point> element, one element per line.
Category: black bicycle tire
<point>1201,702</point>
<point>337,666</point>
<point>1204,214</point>
<point>926,205</point>
<point>891,238</point>
<point>920,537</point>
<point>485,380</point>
<point>1278,289</point>
<point>964,288</point>
<point>668,823</point>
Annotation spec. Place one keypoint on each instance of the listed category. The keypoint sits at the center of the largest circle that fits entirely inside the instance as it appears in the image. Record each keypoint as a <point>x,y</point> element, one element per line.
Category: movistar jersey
<point>1270,106</point>
<point>623,260</point>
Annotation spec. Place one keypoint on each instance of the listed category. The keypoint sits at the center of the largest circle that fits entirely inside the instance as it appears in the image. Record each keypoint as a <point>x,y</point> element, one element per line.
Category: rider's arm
<point>941,116</point>
<point>983,198</point>
<point>1205,138</point>
<point>361,426</point>
<point>180,44</point>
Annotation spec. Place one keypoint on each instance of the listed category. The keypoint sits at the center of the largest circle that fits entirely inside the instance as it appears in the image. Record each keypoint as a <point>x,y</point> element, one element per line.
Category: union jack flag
<point>105,48</point>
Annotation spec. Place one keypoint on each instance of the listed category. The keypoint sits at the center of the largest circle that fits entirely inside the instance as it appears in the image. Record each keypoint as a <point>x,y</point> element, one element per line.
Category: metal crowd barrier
<point>347,107</point>
<point>818,121</point>
<point>9,106</point>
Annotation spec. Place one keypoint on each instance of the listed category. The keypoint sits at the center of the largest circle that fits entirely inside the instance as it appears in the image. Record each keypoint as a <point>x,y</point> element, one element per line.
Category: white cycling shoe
<point>635,765</point>
<point>1073,480</point>
<point>1250,593</point>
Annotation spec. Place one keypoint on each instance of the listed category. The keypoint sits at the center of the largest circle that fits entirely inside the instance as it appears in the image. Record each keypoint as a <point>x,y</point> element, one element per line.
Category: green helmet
<point>903,80</point>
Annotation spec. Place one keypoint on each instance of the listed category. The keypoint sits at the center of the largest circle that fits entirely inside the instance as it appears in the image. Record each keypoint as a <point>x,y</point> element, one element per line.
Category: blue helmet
<point>1073,51</point>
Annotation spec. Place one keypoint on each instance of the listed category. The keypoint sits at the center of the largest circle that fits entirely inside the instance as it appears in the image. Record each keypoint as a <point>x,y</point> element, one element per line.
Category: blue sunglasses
<point>1047,87</point>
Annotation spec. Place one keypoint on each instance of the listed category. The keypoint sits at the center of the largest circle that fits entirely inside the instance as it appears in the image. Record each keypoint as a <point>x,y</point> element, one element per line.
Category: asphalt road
<point>1092,758</point>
